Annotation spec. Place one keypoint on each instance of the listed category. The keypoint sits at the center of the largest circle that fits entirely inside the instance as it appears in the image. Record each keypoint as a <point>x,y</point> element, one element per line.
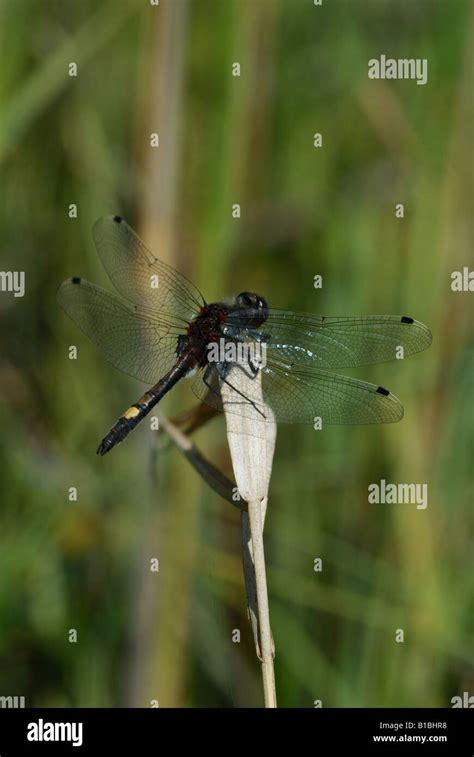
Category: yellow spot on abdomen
<point>132,412</point>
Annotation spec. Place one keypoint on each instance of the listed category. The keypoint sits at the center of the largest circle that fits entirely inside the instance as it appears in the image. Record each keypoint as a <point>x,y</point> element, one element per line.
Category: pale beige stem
<point>252,443</point>
<point>266,642</point>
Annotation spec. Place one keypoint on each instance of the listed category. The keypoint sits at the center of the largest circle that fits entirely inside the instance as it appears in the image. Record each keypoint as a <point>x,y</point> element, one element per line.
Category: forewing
<point>141,277</point>
<point>131,338</point>
<point>336,342</point>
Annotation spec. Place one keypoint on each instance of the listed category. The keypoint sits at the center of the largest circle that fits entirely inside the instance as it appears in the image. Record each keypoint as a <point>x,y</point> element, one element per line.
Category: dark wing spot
<point>406,319</point>
<point>76,279</point>
<point>118,219</point>
<point>383,391</point>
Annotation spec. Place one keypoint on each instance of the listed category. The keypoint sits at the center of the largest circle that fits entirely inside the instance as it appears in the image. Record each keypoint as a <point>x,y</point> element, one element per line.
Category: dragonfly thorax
<point>207,326</point>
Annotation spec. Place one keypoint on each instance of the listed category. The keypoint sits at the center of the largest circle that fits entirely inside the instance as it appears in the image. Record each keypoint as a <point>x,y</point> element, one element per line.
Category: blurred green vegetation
<point>225,140</point>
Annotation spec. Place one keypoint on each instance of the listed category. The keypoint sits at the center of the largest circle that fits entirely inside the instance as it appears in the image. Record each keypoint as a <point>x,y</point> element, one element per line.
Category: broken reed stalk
<point>214,477</point>
<point>266,642</point>
<point>252,444</point>
<point>226,489</point>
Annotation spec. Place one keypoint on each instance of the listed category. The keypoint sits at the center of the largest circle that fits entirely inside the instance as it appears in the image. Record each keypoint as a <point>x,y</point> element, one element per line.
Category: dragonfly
<point>160,330</point>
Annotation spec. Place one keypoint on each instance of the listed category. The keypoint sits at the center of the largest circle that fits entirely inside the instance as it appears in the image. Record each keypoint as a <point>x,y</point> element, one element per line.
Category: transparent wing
<point>139,276</point>
<point>300,395</point>
<point>133,339</point>
<point>332,342</point>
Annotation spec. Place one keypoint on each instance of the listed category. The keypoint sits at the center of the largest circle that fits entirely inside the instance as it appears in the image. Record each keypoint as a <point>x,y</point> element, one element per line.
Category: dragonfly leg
<point>223,371</point>
<point>206,382</point>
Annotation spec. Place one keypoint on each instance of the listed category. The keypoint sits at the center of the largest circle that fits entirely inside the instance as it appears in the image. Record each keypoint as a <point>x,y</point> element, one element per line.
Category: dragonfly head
<point>259,307</point>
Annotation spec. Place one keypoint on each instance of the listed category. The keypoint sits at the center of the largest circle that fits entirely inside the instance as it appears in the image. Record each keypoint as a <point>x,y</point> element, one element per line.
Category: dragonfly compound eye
<point>263,307</point>
<point>247,300</point>
<point>255,303</point>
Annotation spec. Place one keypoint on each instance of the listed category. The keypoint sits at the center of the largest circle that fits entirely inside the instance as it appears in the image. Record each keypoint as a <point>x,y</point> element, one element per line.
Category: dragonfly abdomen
<point>135,413</point>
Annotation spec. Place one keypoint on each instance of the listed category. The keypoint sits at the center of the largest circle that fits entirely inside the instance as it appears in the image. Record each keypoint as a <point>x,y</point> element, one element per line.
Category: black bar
<point>316,731</point>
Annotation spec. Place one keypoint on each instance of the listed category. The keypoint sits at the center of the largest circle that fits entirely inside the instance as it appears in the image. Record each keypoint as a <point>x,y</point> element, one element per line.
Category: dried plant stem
<point>266,641</point>
<point>214,477</point>
<point>252,455</point>
<point>249,578</point>
<point>252,444</point>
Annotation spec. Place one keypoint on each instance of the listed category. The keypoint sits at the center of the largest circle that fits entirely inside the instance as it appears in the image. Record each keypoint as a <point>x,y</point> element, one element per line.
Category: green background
<point>304,211</point>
